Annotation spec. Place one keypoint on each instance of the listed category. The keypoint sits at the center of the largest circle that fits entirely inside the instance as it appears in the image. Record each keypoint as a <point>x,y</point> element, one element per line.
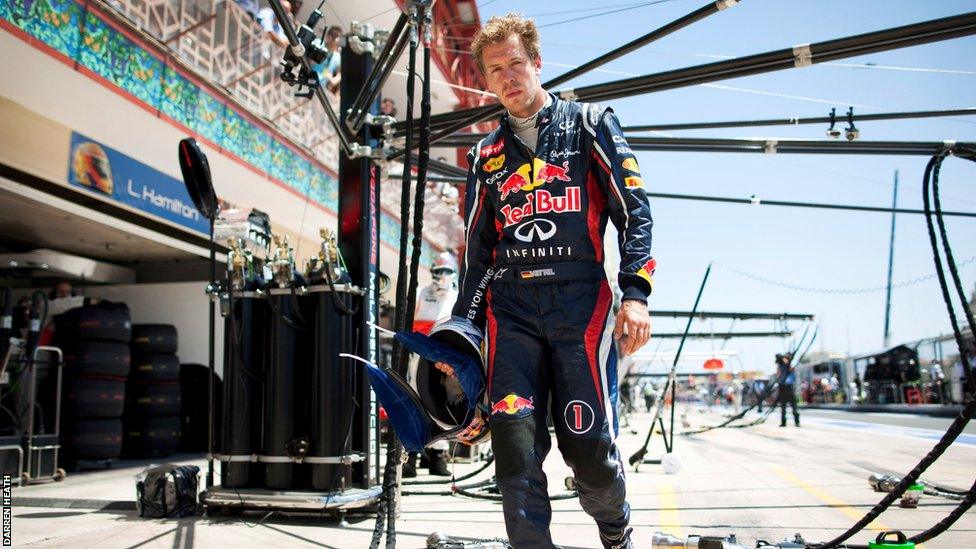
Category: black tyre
<point>93,439</point>
<point>93,398</point>
<point>154,338</point>
<point>97,358</point>
<point>151,435</point>
<point>104,322</point>
<point>155,368</point>
<point>153,399</point>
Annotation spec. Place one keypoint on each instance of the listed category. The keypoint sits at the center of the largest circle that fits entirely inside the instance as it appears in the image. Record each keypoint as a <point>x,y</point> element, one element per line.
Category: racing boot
<point>410,466</point>
<point>621,541</point>
<point>438,464</point>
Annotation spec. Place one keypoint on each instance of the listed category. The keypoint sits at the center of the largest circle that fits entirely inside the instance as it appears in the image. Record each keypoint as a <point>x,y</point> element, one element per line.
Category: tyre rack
<point>38,453</point>
<point>42,450</point>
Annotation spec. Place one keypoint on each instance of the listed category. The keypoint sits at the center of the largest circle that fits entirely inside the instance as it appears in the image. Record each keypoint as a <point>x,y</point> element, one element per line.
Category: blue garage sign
<point>105,170</point>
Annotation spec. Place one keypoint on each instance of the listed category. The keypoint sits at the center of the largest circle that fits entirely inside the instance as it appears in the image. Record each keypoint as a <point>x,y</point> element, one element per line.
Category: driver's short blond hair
<point>499,28</point>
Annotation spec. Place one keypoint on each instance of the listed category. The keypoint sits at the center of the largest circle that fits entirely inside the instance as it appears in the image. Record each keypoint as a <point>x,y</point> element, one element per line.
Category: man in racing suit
<point>539,193</point>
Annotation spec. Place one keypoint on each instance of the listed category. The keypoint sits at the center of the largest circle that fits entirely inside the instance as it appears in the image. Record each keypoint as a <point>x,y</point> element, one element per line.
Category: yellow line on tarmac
<point>669,521</point>
<point>833,501</point>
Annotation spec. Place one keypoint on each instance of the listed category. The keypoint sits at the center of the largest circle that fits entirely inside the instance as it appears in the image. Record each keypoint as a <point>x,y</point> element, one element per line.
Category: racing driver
<point>540,190</point>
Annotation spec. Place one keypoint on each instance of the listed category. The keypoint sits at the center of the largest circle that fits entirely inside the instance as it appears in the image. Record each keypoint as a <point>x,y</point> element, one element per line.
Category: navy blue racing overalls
<point>533,278</point>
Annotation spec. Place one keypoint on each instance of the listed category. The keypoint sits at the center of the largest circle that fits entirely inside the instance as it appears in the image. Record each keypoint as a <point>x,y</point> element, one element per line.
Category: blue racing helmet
<point>434,406</point>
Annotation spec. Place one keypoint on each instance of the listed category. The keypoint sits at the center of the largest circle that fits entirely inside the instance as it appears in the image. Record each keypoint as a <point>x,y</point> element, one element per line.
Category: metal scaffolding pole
<point>296,48</point>
<point>709,335</point>
<point>759,145</point>
<point>796,57</point>
<point>396,42</point>
<point>797,121</point>
<point>786,146</point>
<point>733,315</point>
<point>816,205</point>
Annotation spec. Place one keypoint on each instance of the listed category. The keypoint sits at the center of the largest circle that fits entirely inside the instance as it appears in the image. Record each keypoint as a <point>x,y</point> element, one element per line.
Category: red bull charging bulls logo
<point>521,179</point>
<point>512,404</point>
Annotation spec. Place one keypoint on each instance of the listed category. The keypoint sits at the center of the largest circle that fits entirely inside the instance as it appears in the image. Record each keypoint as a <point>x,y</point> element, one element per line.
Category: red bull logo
<point>541,202</point>
<point>491,150</point>
<point>512,404</point>
<point>630,164</point>
<point>546,172</point>
<point>633,182</point>
<point>518,180</point>
<point>647,271</point>
<point>522,180</point>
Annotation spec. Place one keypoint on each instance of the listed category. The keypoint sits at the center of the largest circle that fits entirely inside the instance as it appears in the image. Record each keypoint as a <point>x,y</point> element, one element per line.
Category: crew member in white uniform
<point>434,304</point>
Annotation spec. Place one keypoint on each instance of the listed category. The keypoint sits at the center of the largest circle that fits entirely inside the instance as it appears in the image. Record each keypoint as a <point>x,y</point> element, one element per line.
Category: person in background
<point>649,395</point>
<point>858,388</point>
<point>329,68</point>
<point>61,299</point>
<point>433,304</point>
<point>388,107</point>
<point>249,6</point>
<point>787,393</point>
<point>271,25</point>
<point>759,389</point>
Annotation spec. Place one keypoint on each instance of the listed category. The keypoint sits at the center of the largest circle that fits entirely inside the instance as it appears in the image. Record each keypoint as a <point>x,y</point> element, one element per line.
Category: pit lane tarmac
<point>764,482</point>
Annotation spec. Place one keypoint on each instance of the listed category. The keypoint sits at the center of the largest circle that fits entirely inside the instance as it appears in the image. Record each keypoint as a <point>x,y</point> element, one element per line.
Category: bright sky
<point>804,247</point>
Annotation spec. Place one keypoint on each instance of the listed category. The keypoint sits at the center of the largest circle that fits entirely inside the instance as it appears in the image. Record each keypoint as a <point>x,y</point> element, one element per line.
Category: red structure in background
<point>455,24</point>
<point>714,364</point>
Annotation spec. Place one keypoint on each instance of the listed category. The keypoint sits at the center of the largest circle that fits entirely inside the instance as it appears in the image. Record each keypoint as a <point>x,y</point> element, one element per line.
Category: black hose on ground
<point>965,353</point>
<point>452,480</point>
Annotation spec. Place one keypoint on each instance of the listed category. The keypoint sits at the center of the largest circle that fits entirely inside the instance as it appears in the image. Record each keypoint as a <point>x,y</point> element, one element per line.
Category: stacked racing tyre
<point>95,343</point>
<point>153,396</point>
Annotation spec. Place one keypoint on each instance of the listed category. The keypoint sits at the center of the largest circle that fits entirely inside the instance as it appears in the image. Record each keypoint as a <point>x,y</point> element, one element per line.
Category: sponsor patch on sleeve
<point>633,182</point>
<point>630,164</point>
<point>647,270</point>
<point>495,163</point>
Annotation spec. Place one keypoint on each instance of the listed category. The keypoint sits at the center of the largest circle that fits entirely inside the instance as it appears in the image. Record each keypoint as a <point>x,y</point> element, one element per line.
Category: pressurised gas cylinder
<point>286,391</point>
<point>332,388</point>
<point>245,357</point>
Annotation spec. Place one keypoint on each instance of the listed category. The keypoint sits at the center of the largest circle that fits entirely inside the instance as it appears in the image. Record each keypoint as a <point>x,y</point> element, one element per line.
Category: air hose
<point>453,480</point>
<point>406,292</point>
<point>932,175</point>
